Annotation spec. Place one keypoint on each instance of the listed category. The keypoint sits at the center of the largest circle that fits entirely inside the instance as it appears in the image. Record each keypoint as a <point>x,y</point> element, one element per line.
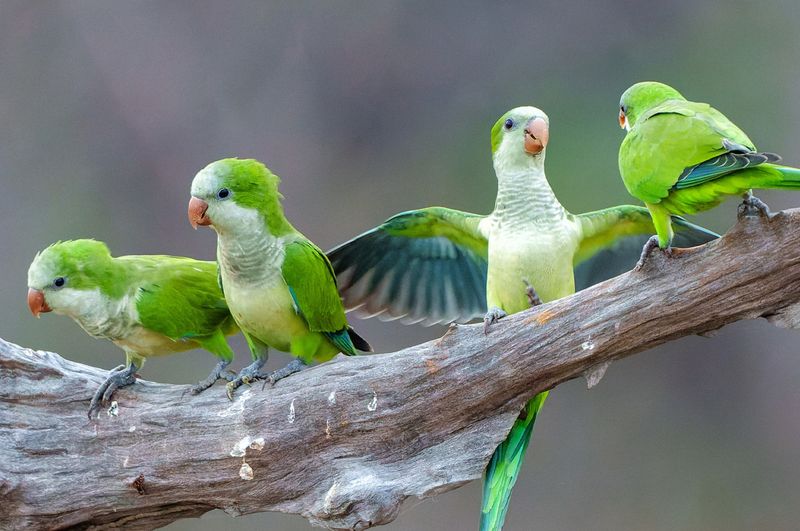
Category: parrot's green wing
<point>612,241</point>
<point>180,298</point>
<point>423,265</point>
<point>738,158</point>
<point>312,283</point>
<point>670,140</point>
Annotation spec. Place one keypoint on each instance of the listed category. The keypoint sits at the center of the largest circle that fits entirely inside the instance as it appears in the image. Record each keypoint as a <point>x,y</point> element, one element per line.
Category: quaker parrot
<point>146,305</point>
<point>681,157</point>
<point>438,265</point>
<point>279,286</point>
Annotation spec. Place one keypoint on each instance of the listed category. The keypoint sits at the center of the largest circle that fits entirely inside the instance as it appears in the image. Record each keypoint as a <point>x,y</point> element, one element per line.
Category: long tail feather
<point>504,467</point>
<point>359,342</point>
<point>790,177</point>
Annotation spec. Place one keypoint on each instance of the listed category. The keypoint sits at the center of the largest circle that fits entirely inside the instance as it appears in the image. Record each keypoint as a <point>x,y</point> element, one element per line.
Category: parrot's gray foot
<point>116,379</point>
<point>246,376</point>
<point>218,372</point>
<point>296,365</point>
<point>752,206</point>
<point>647,251</point>
<point>492,316</point>
<point>533,297</point>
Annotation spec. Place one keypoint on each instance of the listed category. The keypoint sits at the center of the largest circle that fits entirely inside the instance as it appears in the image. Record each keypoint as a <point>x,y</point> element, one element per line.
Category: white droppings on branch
<point>327,502</point>
<point>246,472</point>
<point>595,374</point>
<point>237,406</point>
<point>240,448</point>
<point>373,405</point>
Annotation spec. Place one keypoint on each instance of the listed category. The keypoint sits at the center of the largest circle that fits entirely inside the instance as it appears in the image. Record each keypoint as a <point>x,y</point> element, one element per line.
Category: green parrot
<point>280,287</point>
<point>681,157</point>
<point>438,265</point>
<point>146,305</point>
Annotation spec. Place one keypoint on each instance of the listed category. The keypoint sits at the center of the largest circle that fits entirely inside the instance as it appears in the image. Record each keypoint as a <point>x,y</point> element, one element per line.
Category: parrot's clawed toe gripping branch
<point>218,372</point>
<point>119,377</point>
<point>533,297</point>
<point>647,251</point>
<point>296,365</point>
<point>492,316</point>
<point>248,375</point>
<point>752,206</point>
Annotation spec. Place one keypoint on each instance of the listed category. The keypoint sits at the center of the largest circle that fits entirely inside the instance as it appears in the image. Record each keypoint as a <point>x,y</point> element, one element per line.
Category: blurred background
<point>370,108</point>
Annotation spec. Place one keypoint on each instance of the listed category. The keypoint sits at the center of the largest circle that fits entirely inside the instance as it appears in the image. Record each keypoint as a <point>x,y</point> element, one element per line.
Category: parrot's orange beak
<point>197,213</point>
<point>36,302</point>
<point>537,133</point>
<point>623,120</point>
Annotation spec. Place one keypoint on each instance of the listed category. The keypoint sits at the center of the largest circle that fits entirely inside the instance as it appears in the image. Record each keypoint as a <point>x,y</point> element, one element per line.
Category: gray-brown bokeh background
<point>368,108</point>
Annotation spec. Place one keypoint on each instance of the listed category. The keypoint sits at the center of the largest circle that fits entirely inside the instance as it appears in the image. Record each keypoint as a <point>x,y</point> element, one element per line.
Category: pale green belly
<point>147,343</point>
<point>267,313</point>
<point>546,263</point>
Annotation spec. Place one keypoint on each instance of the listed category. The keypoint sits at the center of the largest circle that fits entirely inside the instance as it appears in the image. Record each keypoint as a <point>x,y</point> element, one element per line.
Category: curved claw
<point>218,372</point>
<point>296,365</point>
<point>492,316</point>
<point>116,379</point>
<point>752,206</point>
<point>647,251</point>
<point>249,374</point>
<point>533,297</point>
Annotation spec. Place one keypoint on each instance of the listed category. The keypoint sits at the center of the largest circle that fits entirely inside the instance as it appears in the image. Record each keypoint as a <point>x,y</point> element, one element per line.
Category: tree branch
<point>345,443</point>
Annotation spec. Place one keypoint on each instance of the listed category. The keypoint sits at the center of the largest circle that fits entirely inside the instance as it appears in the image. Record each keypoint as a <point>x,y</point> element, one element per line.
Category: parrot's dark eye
<point>624,109</point>
<point>509,123</point>
<point>59,282</point>
<point>223,193</point>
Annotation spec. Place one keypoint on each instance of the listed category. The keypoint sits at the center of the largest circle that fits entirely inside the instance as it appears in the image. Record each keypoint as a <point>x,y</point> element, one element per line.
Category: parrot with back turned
<point>438,265</point>
<point>681,157</point>
<point>146,305</point>
<point>279,286</point>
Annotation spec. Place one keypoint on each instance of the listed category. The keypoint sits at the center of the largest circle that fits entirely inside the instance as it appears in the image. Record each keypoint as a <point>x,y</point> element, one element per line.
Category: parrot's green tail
<point>789,177</point>
<point>504,467</point>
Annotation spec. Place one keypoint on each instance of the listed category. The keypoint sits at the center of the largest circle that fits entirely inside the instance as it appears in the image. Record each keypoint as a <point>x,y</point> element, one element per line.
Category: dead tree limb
<point>345,443</point>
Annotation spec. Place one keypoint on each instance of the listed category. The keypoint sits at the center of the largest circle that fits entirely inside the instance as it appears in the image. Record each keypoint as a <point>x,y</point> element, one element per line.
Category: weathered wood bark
<point>343,444</point>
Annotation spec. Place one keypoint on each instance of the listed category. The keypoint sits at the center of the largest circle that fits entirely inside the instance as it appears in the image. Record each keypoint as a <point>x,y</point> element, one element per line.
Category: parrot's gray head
<point>70,277</point>
<point>519,139</point>
<point>232,195</point>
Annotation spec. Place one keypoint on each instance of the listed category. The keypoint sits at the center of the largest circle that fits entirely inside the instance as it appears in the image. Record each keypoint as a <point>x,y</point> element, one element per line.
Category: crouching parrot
<point>146,305</point>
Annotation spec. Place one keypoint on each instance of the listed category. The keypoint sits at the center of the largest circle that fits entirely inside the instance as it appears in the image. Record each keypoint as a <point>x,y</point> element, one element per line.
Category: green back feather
<point>310,277</point>
<point>179,297</point>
